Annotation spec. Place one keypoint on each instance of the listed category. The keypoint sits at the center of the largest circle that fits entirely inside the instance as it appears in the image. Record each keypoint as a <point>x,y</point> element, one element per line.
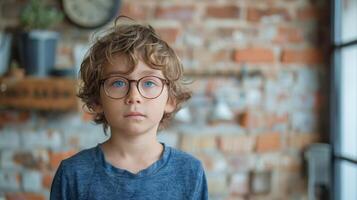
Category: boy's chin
<point>133,130</point>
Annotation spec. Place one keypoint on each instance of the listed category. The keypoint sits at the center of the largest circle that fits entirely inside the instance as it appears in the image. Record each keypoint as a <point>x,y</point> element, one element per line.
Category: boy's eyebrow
<point>149,72</point>
<point>143,73</point>
<point>114,73</point>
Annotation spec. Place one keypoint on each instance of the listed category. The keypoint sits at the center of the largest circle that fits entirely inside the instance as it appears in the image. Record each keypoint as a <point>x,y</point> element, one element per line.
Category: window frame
<point>335,96</point>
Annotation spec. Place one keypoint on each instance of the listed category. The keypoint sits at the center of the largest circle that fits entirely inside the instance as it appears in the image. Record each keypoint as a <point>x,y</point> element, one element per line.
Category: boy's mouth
<point>134,114</point>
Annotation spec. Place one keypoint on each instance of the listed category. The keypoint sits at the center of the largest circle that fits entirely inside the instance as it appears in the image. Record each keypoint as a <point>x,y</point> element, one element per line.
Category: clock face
<point>91,13</point>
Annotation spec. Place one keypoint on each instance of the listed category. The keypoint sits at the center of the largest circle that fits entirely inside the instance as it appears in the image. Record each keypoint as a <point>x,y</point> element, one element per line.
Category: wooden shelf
<point>57,94</point>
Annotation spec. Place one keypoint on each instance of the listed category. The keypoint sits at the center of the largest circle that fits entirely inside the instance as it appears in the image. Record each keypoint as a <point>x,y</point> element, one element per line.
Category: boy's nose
<point>134,95</point>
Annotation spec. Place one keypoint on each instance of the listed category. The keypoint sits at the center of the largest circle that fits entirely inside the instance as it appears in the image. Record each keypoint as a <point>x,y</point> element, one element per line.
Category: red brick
<point>256,14</point>
<point>229,11</point>
<point>194,143</point>
<point>274,120</point>
<point>135,10</point>
<point>57,157</point>
<point>305,56</point>
<point>183,13</point>
<point>28,160</point>
<point>311,13</point>
<point>302,140</point>
<point>320,100</point>
<point>290,183</point>
<point>236,144</point>
<point>168,34</point>
<point>47,180</point>
<point>13,117</point>
<point>65,49</point>
<point>290,163</point>
<point>206,56</point>
<point>251,119</point>
<point>286,34</point>
<point>268,142</point>
<point>24,196</point>
<point>226,31</point>
<point>254,55</point>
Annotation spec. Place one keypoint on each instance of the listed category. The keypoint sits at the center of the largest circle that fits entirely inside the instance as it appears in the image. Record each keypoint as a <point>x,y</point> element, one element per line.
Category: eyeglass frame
<point>164,82</point>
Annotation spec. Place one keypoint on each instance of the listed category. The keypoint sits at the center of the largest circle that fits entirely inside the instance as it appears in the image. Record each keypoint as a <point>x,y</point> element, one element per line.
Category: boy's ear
<point>97,108</point>
<point>170,105</point>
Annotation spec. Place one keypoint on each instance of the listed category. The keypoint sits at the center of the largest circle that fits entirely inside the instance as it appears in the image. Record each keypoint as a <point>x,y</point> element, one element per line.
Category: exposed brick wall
<point>274,53</point>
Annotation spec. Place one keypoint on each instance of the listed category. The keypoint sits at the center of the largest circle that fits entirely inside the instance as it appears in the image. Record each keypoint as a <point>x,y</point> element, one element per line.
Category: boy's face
<point>133,113</point>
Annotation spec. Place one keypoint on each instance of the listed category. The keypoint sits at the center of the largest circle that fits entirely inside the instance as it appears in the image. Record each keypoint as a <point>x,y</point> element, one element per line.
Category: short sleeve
<point>60,185</point>
<point>201,192</point>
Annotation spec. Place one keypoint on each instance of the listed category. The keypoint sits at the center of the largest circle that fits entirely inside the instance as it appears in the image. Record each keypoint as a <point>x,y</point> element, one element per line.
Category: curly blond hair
<point>136,42</point>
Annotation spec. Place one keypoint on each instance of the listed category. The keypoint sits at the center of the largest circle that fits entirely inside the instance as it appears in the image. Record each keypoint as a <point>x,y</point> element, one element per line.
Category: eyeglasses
<point>118,87</point>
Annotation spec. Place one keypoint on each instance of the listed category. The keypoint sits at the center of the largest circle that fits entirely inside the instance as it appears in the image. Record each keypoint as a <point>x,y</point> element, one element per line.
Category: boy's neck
<point>133,148</point>
<point>143,147</point>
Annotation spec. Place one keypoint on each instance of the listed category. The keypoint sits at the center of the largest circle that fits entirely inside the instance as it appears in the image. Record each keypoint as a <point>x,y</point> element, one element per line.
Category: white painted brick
<point>268,34</point>
<point>272,101</point>
<point>241,162</point>
<point>271,91</point>
<point>239,183</point>
<point>6,160</point>
<point>304,121</point>
<point>9,180</point>
<point>170,138</point>
<point>32,181</point>
<point>9,139</point>
<point>267,161</point>
<point>41,138</point>
<point>212,161</point>
<point>303,101</point>
<point>70,120</point>
<point>307,80</point>
<point>252,81</point>
<point>90,137</point>
<point>254,97</point>
<point>286,79</point>
<point>217,183</point>
<point>261,182</point>
<point>192,39</point>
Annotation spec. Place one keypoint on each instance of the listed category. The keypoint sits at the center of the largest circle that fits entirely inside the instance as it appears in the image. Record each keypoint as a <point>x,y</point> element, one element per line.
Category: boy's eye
<point>119,83</point>
<point>149,84</point>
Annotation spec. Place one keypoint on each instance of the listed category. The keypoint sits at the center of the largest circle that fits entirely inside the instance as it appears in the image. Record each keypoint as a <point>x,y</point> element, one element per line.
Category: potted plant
<point>38,42</point>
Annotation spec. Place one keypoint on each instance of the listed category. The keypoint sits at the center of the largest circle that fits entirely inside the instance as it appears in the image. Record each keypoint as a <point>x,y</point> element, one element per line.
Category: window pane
<point>348,180</point>
<point>349,22</point>
<point>348,139</point>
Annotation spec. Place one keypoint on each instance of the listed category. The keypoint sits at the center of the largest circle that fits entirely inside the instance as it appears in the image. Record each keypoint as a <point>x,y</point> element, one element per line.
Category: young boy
<point>132,82</point>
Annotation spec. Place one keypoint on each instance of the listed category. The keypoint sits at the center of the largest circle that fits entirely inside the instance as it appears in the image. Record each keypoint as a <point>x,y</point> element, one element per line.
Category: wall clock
<point>91,13</point>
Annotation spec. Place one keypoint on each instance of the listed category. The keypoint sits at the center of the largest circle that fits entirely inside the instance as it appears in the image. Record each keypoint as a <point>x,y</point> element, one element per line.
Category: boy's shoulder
<point>84,159</point>
<point>181,158</point>
<point>180,154</point>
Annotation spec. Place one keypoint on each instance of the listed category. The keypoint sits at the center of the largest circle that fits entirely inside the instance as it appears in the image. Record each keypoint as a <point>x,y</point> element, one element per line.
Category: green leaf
<point>36,15</point>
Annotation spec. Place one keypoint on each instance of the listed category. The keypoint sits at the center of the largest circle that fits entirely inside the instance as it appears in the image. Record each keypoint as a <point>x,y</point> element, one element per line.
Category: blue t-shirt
<point>87,176</point>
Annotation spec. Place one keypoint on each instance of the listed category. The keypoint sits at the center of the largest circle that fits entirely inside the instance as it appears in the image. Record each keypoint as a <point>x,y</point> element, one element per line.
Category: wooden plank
<point>39,93</point>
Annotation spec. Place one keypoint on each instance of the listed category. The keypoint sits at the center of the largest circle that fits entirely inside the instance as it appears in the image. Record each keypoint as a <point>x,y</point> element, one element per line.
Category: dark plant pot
<point>38,52</point>
<point>5,47</point>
